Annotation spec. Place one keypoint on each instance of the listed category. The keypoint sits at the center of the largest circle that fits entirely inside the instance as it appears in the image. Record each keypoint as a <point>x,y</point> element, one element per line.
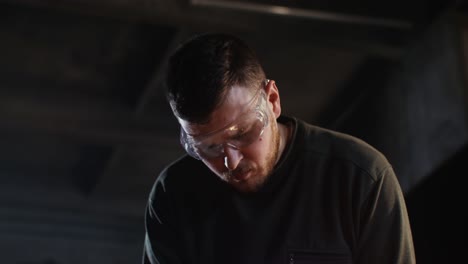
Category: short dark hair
<point>202,69</point>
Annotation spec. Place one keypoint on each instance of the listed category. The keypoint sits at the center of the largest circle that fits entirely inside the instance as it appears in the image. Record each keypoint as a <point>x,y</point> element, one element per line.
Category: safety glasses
<point>242,132</point>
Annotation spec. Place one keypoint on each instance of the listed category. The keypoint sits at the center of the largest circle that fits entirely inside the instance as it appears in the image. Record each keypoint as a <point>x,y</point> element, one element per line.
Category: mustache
<point>241,169</point>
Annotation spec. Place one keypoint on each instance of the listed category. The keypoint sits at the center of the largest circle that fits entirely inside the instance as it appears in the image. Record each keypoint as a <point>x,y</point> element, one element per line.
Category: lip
<point>241,177</point>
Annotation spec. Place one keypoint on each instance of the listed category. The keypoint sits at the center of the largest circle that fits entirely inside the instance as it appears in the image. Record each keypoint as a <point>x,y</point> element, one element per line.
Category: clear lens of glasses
<point>239,135</point>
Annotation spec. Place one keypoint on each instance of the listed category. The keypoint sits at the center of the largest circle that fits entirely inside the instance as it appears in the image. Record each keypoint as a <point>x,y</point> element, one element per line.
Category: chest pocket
<point>317,257</point>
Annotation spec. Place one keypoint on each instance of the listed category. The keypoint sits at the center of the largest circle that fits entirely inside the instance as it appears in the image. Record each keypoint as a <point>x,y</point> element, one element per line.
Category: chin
<point>245,188</point>
<point>248,186</point>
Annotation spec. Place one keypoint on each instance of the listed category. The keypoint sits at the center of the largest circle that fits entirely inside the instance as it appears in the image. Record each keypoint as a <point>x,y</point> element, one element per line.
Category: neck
<point>283,139</point>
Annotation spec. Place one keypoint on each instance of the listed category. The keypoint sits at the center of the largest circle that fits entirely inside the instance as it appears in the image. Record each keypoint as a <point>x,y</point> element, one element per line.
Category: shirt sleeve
<point>385,233</point>
<point>160,244</point>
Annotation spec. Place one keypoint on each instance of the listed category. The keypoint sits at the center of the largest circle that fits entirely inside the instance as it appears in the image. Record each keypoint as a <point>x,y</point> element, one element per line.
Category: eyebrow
<point>249,103</point>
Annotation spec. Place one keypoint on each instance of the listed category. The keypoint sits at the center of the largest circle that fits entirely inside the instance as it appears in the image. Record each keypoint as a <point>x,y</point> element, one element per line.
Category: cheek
<point>265,141</point>
<point>215,165</point>
<point>257,151</point>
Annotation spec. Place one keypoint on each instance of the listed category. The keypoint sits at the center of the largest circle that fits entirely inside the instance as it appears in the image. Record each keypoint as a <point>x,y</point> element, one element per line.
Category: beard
<point>262,171</point>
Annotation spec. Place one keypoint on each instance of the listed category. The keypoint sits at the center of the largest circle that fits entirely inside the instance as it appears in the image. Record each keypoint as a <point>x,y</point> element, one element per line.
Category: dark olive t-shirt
<point>332,198</point>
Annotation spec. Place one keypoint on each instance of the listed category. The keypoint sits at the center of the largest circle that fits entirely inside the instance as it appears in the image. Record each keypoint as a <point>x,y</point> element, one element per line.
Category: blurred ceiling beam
<point>383,37</point>
<point>313,14</point>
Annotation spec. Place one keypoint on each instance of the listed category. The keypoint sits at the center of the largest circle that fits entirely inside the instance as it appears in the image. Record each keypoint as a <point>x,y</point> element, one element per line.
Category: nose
<point>232,157</point>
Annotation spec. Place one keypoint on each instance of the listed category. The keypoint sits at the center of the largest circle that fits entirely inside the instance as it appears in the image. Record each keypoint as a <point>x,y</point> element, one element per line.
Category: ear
<point>273,98</point>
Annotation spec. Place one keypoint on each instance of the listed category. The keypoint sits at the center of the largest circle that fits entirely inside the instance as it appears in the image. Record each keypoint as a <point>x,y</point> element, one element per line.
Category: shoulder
<point>344,148</point>
<point>172,177</point>
<point>182,178</point>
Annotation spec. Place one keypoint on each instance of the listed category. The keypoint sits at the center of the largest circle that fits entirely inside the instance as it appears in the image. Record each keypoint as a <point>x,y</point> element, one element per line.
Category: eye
<point>212,147</point>
<point>209,150</point>
<point>241,133</point>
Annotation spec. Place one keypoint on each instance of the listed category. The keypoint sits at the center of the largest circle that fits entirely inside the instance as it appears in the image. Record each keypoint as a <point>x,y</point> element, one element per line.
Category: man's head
<point>202,70</point>
<point>226,108</point>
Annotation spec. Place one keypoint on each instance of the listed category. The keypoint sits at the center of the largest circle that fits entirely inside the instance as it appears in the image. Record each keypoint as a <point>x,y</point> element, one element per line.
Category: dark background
<point>85,129</point>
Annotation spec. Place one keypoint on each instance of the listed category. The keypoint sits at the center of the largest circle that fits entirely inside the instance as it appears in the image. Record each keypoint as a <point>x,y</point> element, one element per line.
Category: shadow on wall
<point>436,209</point>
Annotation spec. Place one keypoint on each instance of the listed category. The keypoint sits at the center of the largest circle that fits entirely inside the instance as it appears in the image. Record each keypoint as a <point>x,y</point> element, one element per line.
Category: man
<point>260,187</point>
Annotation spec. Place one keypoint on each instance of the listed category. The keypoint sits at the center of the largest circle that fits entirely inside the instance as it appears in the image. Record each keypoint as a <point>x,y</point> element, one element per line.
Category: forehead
<point>235,103</point>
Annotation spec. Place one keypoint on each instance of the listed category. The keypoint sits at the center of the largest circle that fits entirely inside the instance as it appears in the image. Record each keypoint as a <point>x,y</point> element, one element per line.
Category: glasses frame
<point>188,142</point>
